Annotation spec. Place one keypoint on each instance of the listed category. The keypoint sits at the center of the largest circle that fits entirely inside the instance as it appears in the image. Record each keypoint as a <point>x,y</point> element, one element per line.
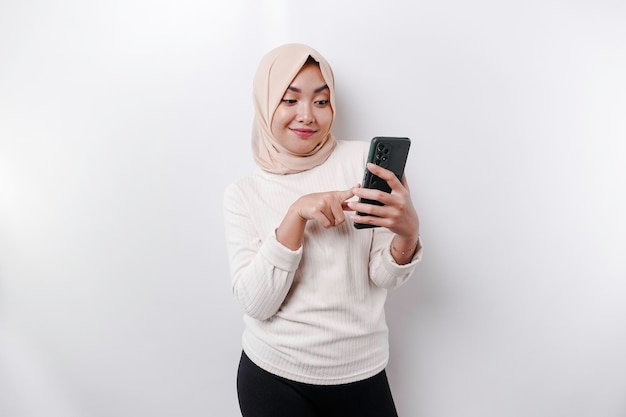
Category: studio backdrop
<point>122,122</point>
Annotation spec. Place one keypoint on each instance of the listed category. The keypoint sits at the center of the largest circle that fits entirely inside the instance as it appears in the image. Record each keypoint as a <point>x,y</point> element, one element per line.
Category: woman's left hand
<point>397,214</point>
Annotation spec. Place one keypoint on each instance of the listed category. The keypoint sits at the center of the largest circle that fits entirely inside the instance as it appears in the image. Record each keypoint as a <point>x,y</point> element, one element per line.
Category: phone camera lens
<point>381,146</point>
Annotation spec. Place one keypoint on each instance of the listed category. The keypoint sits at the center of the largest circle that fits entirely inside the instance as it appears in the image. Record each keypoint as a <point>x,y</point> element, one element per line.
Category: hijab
<point>275,73</point>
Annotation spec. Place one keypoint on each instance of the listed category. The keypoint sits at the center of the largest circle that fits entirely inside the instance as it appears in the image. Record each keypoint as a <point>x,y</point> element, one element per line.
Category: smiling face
<point>304,116</point>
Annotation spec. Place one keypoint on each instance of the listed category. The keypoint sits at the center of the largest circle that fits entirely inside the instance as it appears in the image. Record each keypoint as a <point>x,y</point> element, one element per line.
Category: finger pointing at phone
<point>325,208</point>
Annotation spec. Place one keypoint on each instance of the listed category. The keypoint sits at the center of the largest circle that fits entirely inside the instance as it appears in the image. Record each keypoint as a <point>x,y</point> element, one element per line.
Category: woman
<point>312,287</point>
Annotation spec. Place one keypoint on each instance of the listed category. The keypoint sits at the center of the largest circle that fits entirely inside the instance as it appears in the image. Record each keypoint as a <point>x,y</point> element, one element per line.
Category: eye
<point>321,103</point>
<point>289,101</point>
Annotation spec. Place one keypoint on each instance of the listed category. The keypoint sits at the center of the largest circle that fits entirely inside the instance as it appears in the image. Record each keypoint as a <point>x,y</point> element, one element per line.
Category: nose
<point>305,114</point>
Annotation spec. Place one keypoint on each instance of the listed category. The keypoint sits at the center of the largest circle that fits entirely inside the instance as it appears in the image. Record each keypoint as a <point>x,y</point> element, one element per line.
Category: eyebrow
<point>317,90</point>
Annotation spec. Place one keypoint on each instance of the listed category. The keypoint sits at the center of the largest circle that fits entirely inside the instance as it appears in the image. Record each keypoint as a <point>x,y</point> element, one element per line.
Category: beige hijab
<point>276,71</point>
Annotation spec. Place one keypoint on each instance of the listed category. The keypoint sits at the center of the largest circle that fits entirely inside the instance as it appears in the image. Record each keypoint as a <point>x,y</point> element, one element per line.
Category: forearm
<point>261,289</point>
<point>385,271</point>
<point>291,230</point>
<point>262,280</point>
<point>262,268</point>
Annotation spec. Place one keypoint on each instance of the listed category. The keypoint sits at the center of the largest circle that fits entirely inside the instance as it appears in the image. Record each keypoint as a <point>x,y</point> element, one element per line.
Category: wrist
<point>295,216</point>
<point>405,246</point>
<point>291,230</point>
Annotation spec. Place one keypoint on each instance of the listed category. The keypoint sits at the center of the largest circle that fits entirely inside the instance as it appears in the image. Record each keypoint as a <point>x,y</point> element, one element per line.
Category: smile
<point>303,133</point>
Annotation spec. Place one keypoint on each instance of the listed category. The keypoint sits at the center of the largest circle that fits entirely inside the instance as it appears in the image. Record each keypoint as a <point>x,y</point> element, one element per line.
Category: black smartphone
<point>390,153</point>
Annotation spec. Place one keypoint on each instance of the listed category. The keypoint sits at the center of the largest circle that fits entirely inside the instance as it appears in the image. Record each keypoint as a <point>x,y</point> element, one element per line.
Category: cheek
<point>326,118</point>
<point>276,121</point>
<point>281,118</point>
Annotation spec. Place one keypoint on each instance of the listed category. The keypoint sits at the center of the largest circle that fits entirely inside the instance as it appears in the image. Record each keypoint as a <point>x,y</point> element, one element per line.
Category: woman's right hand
<point>325,208</point>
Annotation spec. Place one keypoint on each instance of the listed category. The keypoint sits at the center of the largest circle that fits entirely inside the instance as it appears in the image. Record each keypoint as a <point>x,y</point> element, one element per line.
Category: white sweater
<point>314,315</point>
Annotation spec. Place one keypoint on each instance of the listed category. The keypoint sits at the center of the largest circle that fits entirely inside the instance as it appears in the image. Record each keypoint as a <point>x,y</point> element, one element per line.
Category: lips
<point>303,133</point>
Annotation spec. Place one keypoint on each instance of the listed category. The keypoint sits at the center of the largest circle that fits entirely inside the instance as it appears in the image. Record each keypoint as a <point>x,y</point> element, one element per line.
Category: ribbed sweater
<point>314,315</point>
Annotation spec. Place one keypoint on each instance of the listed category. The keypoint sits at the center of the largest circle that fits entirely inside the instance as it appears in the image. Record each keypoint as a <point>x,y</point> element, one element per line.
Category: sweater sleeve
<point>384,271</point>
<point>262,269</point>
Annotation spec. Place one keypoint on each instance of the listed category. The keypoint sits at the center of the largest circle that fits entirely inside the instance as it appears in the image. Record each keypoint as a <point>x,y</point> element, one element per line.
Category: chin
<point>310,147</point>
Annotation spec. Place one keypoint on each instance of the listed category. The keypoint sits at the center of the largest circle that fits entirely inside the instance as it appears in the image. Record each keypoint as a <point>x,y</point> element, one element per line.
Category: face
<point>303,118</point>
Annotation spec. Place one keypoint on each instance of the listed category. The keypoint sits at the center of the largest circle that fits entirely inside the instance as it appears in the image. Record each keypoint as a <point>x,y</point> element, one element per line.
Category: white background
<point>122,121</point>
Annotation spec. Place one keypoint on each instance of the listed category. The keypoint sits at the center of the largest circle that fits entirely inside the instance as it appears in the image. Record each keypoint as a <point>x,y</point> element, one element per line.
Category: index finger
<point>344,195</point>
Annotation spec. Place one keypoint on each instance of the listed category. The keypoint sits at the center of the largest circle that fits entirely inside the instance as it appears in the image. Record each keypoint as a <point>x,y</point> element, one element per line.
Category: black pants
<point>263,394</point>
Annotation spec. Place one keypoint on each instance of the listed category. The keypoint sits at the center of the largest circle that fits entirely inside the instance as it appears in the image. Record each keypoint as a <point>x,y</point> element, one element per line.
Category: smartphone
<point>390,153</point>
